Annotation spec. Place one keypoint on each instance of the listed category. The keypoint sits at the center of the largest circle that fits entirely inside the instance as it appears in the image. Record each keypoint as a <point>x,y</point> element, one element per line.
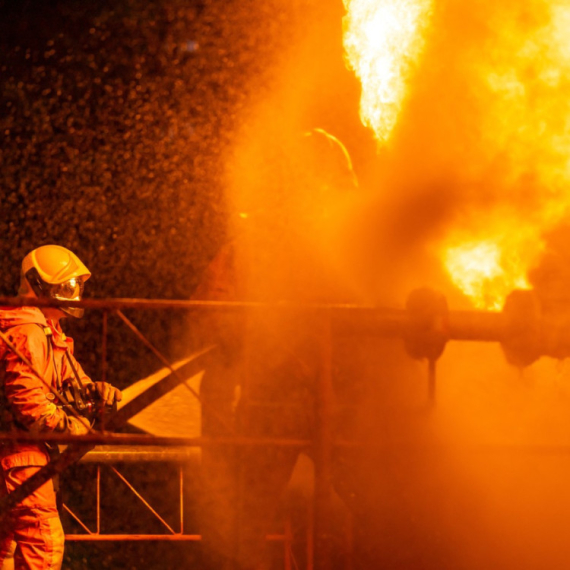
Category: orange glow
<point>490,100</point>
<point>526,118</point>
<point>480,271</point>
<point>383,40</point>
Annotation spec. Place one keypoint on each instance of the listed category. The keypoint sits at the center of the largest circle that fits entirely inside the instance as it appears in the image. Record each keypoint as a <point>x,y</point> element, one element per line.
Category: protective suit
<point>36,361</point>
<point>28,404</point>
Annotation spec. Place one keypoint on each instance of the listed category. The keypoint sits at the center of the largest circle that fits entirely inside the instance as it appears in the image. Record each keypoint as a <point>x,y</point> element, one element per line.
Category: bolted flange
<point>428,328</point>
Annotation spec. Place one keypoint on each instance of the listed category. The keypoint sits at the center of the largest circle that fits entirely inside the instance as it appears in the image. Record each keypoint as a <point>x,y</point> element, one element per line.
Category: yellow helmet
<point>54,272</point>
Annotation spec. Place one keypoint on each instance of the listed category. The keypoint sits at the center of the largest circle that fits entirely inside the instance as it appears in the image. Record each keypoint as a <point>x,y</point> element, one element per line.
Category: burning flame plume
<point>382,41</point>
<point>482,274</point>
<point>526,119</point>
<point>494,107</point>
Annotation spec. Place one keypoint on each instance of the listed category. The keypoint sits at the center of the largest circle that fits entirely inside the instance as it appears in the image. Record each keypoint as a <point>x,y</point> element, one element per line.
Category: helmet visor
<point>71,290</point>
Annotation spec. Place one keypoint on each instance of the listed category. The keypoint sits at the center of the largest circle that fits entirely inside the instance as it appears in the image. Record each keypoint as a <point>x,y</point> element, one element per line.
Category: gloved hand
<point>109,394</point>
<point>73,425</point>
<point>76,426</point>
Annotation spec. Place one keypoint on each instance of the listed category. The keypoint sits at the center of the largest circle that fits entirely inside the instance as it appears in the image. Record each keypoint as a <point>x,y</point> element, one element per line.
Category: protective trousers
<point>31,538</point>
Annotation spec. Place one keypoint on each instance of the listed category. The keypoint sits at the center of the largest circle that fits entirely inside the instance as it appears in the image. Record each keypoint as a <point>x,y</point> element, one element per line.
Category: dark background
<point>115,117</point>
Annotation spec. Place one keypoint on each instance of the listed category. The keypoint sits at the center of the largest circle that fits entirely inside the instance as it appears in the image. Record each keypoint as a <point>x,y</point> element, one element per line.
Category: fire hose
<point>74,452</point>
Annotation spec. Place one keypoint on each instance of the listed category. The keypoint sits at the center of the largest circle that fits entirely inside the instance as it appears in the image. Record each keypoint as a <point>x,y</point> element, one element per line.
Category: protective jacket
<point>32,537</point>
<point>26,403</point>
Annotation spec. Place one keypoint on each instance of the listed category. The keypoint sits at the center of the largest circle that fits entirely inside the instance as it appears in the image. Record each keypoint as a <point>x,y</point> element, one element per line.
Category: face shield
<point>70,290</point>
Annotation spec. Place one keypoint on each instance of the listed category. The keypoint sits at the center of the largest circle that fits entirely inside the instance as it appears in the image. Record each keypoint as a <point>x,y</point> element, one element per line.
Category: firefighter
<point>264,383</point>
<point>31,536</point>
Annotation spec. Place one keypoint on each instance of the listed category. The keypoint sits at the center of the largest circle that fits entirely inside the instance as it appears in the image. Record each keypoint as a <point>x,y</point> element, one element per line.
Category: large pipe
<point>524,330</point>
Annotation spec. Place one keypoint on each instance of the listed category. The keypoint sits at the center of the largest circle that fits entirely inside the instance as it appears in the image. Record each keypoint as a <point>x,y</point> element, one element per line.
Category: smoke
<point>479,151</point>
<point>485,125</point>
<point>509,433</point>
<point>483,139</point>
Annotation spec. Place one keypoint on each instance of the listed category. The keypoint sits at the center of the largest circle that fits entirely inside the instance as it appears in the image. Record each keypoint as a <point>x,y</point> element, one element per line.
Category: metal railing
<point>182,457</point>
<point>334,319</point>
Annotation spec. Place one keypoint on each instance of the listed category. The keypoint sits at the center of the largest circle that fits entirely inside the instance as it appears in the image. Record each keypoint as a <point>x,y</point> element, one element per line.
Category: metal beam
<point>75,451</point>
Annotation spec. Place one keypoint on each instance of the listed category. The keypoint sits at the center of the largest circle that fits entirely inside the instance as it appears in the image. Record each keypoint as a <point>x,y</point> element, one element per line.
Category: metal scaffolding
<point>426,325</point>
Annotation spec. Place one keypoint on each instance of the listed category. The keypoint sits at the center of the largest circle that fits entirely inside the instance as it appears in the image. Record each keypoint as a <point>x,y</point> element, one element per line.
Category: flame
<point>494,94</point>
<point>487,269</point>
<point>382,41</point>
<point>484,274</point>
<point>526,119</point>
